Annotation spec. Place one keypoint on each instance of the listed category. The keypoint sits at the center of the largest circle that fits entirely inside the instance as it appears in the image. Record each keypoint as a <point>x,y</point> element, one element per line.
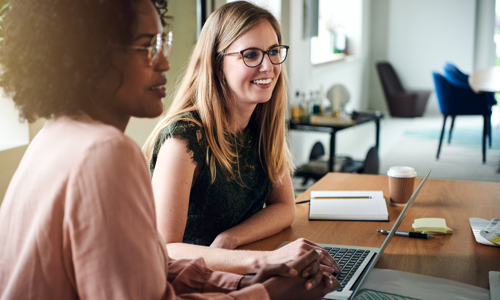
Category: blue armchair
<point>459,78</point>
<point>453,73</point>
<point>457,100</point>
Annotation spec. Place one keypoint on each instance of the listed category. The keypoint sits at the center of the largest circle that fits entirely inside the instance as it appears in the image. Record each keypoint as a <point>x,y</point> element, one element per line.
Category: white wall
<point>485,55</point>
<point>305,77</point>
<point>424,34</point>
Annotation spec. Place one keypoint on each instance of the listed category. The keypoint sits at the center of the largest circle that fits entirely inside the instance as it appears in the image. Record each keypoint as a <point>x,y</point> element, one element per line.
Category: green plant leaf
<point>4,7</point>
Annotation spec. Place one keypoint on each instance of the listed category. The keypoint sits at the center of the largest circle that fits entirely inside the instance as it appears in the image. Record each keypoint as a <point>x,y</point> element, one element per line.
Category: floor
<point>414,142</point>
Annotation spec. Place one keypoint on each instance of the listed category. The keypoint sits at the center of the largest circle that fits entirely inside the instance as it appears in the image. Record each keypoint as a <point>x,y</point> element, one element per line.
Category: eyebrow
<point>260,49</point>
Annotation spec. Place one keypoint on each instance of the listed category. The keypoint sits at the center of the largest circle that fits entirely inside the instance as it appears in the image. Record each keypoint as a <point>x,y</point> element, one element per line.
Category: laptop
<point>357,262</point>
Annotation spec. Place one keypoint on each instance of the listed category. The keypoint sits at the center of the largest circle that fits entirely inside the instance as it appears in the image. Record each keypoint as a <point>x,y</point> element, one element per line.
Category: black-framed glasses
<point>253,57</point>
<point>158,43</point>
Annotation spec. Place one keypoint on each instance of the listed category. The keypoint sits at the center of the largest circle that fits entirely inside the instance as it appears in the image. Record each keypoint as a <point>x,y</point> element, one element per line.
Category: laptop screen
<point>390,235</point>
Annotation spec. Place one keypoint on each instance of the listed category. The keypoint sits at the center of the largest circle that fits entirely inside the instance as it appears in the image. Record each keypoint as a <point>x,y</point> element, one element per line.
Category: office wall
<point>485,47</point>
<point>352,73</point>
<point>421,36</point>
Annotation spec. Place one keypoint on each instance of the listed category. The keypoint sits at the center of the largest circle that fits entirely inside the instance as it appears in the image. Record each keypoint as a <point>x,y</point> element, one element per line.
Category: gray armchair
<point>402,103</point>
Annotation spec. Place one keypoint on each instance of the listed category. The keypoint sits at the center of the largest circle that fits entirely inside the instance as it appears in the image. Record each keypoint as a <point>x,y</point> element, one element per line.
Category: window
<point>339,30</point>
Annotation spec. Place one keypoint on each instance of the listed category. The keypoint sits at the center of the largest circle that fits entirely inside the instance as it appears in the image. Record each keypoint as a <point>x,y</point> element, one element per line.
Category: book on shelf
<point>348,205</point>
<point>330,120</point>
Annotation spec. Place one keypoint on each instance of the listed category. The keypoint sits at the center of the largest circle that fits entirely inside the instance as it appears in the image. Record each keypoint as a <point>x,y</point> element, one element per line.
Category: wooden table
<point>457,257</point>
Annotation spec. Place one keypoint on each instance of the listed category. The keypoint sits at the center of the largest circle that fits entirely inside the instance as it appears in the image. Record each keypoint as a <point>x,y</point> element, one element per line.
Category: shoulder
<point>87,139</point>
<point>187,126</point>
<point>184,123</point>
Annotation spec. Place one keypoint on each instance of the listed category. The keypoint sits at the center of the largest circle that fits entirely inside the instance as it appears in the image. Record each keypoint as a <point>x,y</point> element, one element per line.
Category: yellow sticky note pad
<point>431,225</point>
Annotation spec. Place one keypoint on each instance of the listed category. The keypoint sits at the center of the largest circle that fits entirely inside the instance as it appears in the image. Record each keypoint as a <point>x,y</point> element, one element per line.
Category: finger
<point>327,280</point>
<point>335,283</point>
<point>314,280</point>
<point>312,269</point>
<point>305,260</point>
<point>275,270</point>
<point>284,270</point>
<point>326,258</point>
<point>328,261</point>
<point>328,269</point>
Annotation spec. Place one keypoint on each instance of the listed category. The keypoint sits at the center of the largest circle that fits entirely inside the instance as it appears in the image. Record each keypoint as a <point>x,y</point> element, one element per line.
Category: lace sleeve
<point>194,135</point>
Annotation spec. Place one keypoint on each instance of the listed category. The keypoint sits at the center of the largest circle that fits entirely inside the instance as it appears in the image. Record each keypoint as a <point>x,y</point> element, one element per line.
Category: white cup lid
<point>402,172</point>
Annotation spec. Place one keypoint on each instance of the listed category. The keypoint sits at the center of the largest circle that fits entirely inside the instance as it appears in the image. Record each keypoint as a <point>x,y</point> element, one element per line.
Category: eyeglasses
<point>158,43</point>
<point>253,57</point>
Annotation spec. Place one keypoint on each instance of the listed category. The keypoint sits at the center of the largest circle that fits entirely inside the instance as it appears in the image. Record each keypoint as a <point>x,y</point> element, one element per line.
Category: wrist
<point>259,260</point>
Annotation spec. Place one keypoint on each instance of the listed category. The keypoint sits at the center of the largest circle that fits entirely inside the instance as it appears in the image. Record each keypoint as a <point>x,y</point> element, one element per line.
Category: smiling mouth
<point>157,87</point>
<point>262,81</point>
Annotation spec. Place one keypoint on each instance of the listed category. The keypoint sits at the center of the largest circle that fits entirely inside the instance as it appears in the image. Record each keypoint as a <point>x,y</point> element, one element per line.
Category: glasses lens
<point>155,47</point>
<point>277,55</point>
<point>252,57</point>
<point>168,44</point>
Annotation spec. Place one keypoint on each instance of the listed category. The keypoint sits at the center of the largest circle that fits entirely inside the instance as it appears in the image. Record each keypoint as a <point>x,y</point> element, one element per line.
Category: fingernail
<point>308,286</point>
<point>305,274</point>
<point>292,272</point>
<point>330,281</point>
<point>319,252</point>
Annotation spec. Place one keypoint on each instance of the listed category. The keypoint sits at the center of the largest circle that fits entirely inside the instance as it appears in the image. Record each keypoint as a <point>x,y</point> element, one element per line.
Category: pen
<point>409,234</point>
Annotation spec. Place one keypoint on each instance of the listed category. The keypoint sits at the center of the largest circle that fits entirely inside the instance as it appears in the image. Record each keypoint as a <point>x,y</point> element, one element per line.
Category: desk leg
<point>377,133</point>
<point>331,162</point>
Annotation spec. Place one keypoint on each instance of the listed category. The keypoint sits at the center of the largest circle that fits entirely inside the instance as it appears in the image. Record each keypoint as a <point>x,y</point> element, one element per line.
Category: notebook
<point>348,205</point>
<point>357,262</point>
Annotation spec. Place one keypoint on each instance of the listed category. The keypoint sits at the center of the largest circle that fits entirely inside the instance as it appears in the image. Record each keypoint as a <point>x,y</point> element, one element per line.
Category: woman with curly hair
<point>78,218</point>
<point>220,153</point>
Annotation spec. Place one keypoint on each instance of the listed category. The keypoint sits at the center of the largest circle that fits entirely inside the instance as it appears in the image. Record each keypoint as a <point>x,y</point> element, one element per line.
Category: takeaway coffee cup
<point>401,183</point>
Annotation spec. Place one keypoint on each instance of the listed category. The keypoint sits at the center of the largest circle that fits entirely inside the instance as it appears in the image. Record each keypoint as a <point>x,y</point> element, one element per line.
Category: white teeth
<point>157,87</point>
<point>262,81</point>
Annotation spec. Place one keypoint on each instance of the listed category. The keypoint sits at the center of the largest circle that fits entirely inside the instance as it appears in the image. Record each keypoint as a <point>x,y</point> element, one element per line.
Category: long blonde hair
<point>204,90</point>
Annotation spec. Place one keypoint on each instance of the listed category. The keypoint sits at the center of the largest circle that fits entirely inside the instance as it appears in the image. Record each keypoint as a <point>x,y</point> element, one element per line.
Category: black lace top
<point>214,208</point>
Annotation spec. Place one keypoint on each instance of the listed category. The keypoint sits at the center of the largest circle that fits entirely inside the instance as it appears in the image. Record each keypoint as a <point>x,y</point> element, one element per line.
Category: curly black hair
<point>56,52</point>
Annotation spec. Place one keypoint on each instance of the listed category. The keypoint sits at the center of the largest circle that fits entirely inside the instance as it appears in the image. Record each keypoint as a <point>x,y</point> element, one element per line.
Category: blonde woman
<point>220,153</point>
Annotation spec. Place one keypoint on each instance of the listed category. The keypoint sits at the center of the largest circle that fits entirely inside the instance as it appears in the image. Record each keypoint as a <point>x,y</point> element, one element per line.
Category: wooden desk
<point>457,257</point>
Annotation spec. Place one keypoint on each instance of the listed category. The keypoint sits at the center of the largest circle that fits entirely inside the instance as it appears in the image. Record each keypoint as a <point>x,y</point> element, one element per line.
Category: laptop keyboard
<point>349,261</point>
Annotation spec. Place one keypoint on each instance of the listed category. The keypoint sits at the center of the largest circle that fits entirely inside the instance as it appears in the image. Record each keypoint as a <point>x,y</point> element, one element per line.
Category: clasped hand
<point>298,279</point>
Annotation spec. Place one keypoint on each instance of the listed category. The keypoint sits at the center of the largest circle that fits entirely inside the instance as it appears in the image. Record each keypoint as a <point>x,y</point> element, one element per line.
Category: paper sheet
<point>478,224</point>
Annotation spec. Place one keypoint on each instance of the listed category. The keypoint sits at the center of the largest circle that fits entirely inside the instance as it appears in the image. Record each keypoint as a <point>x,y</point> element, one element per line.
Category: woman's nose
<point>161,64</point>
<point>266,65</point>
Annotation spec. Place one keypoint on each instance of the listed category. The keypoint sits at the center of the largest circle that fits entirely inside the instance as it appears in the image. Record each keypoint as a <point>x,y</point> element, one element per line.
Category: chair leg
<point>489,129</point>
<point>485,131</point>
<point>451,128</point>
<point>442,134</point>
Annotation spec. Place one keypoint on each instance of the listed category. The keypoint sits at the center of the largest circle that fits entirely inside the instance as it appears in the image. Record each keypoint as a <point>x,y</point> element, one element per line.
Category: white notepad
<point>348,205</point>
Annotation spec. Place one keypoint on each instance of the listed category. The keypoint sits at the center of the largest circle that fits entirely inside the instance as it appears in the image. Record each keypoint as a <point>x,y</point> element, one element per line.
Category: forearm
<point>265,223</point>
<point>233,261</point>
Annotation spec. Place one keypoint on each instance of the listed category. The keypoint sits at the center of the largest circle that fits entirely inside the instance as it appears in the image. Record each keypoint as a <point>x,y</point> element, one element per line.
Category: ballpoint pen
<point>408,234</point>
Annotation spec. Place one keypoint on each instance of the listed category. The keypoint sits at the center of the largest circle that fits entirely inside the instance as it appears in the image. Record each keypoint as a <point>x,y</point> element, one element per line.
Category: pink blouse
<point>78,222</point>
